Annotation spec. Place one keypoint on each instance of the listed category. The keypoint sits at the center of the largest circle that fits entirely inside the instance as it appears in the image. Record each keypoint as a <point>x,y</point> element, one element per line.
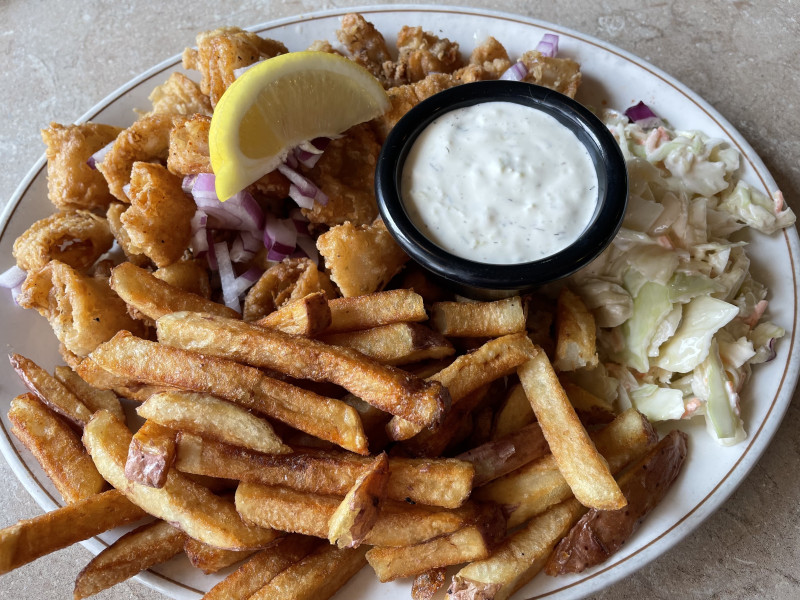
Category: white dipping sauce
<point>500,183</point>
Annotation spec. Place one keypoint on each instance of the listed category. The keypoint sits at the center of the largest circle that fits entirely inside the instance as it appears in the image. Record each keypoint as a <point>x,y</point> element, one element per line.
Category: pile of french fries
<point>330,434</point>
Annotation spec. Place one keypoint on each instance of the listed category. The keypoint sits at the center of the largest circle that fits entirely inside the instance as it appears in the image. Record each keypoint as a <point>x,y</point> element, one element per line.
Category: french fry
<point>428,583</point>
<point>478,319</point>
<point>497,458</point>
<point>387,388</point>
<point>358,511</point>
<point>262,567</point>
<point>395,344</point>
<point>496,358</point>
<point>533,488</point>
<point>153,297</point>
<point>600,533</point>
<point>374,310</point>
<point>318,576</point>
<point>30,539</point>
<point>513,414</point>
<point>518,559</point>
<point>181,502</point>
<point>188,275</point>
<point>100,378</point>
<point>210,559</point>
<point>140,549</point>
<point>307,316</point>
<point>134,358</point>
<point>590,409</point>
<point>442,482</point>
<point>151,454</point>
<point>456,427</point>
<point>399,524</point>
<point>578,460</point>
<point>575,334</point>
<point>57,448</point>
<point>472,542</point>
<point>210,417</point>
<point>94,398</point>
<point>373,420</point>
<point>50,391</point>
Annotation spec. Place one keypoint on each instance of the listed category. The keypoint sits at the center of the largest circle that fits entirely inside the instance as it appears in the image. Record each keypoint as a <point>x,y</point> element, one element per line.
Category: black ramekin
<point>484,280</point>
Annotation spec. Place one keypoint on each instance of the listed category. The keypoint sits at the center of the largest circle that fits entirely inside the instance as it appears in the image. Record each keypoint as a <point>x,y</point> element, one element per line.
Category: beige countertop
<point>60,58</point>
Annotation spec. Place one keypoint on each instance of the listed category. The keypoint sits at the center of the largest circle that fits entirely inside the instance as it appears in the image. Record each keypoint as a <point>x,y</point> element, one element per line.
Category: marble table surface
<point>60,58</point>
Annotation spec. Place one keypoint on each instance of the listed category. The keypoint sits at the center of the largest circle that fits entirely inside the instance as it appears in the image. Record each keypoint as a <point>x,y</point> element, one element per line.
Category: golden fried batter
<point>323,46</point>
<point>146,140</point>
<point>491,58</point>
<point>560,74</point>
<point>77,238</point>
<point>361,260</point>
<point>188,147</point>
<point>405,97</point>
<point>366,45</point>
<point>291,279</point>
<point>179,95</point>
<point>71,182</point>
<point>346,174</point>
<point>131,251</point>
<point>159,218</point>
<point>422,53</point>
<point>221,51</point>
<point>82,310</point>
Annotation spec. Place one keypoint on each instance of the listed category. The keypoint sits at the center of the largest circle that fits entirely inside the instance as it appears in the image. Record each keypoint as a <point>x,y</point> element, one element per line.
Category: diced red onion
<point>300,199</point>
<point>246,280</point>
<point>280,238</point>
<point>227,276</point>
<point>291,160</point>
<point>309,153</point>
<point>515,72</point>
<point>304,190</point>
<point>549,45</point>
<point>309,248</point>
<point>240,211</point>
<point>188,183</point>
<point>245,246</point>
<point>12,277</point>
<point>238,252</point>
<point>212,254</point>
<point>98,156</point>
<point>642,115</point>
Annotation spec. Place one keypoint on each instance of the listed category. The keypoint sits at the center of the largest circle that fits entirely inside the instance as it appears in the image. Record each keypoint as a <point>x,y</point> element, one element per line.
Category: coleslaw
<point>680,317</point>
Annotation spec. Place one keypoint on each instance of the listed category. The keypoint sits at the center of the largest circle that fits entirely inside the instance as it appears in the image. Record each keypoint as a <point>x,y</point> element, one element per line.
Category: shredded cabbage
<point>679,314</point>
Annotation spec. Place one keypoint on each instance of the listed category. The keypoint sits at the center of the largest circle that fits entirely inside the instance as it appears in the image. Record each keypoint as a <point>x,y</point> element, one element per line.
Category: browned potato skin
<point>600,533</point>
<point>427,584</point>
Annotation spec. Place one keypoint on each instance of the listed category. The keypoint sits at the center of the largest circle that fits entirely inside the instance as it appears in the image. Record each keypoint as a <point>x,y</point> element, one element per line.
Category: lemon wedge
<point>281,102</point>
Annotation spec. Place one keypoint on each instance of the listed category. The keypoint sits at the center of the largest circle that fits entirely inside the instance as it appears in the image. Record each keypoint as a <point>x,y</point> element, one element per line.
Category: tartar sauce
<point>500,183</point>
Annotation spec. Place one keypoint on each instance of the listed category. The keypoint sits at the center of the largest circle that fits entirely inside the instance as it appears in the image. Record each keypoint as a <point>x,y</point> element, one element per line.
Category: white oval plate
<point>611,78</point>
